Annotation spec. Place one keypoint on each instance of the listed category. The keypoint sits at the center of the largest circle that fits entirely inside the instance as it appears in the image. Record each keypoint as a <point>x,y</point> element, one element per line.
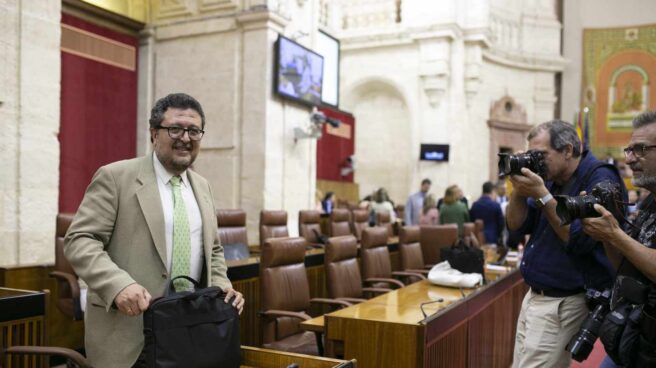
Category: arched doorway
<point>508,130</point>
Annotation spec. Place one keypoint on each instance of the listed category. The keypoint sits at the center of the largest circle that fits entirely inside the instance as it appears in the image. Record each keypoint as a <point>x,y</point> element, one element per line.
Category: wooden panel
<point>448,351</point>
<point>62,331</point>
<point>343,190</point>
<point>23,316</point>
<point>91,46</point>
<point>263,358</point>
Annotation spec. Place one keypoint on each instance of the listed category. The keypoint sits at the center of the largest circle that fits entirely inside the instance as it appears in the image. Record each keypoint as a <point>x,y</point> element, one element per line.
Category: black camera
<point>583,341</point>
<point>512,164</point>
<point>605,193</point>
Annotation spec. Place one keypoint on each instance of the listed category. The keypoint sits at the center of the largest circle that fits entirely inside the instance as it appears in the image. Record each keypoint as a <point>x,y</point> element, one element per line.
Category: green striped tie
<point>181,237</point>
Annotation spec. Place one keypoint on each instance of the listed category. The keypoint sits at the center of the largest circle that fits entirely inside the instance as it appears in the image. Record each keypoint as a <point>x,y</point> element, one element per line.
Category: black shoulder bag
<point>464,258</point>
<point>192,329</point>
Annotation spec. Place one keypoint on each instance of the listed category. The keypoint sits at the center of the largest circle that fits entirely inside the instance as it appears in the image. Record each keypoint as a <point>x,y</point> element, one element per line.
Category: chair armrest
<point>352,300</point>
<point>376,290</point>
<point>423,272</point>
<point>272,313</point>
<point>408,274</point>
<point>71,280</point>
<point>69,354</point>
<point>385,280</point>
<point>335,302</point>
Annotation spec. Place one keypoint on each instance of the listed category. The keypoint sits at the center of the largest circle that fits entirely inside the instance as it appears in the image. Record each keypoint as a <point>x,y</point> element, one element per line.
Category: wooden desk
<point>264,358</point>
<point>391,331</point>
<point>22,322</point>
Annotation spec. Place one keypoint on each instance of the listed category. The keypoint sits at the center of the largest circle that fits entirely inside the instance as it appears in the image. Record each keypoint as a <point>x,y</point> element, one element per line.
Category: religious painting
<point>619,70</point>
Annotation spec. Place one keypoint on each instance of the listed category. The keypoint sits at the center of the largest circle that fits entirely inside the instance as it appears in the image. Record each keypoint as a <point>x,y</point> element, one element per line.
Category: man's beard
<point>645,181</point>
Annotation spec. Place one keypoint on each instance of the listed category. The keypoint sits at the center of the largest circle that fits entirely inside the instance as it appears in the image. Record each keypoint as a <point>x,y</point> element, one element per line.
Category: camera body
<point>605,193</point>
<point>581,344</point>
<point>513,164</point>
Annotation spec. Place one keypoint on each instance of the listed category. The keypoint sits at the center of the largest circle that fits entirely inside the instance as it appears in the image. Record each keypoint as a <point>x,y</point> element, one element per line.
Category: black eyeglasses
<point>638,150</point>
<point>177,132</point>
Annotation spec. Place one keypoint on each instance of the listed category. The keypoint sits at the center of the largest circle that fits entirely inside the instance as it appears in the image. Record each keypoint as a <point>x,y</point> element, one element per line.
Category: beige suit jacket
<point>118,238</point>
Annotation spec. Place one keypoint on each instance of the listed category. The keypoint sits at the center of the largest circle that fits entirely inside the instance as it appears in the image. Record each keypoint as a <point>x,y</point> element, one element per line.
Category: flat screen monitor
<point>299,72</point>
<point>328,47</point>
<point>434,152</point>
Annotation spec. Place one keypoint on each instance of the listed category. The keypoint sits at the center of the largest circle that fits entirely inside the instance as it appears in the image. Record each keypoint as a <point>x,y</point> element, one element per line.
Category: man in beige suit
<point>125,239</point>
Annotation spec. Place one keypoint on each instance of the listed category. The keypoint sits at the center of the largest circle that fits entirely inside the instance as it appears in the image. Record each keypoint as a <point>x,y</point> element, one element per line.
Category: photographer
<point>559,262</point>
<point>632,250</point>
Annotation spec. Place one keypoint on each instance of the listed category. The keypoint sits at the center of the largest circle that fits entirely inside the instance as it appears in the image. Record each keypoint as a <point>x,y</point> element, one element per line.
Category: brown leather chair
<point>433,238</point>
<point>17,353</point>
<point>309,226</point>
<point>285,296</point>
<point>383,219</point>
<point>469,234</point>
<point>273,224</point>
<point>231,225</point>
<point>376,265</point>
<point>359,221</point>
<point>480,231</point>
<point>68,297</point>
<point>343,280</point>
<point>412,259</point>
<point>339,222</point>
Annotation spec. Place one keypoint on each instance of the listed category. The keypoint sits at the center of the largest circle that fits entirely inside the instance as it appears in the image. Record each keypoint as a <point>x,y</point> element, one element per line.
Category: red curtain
<point>98,115</point>
<point>333,149</point>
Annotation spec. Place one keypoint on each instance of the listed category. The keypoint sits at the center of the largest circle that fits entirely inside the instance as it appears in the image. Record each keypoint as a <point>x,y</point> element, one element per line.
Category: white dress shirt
<point>193,214</point>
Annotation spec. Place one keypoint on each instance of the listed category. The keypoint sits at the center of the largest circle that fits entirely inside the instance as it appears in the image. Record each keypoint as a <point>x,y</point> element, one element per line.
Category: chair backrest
<point>433,238</point>
<point>283,284</point>
<point>273,224</point>
<point>309,225</point>
<point>385,220</point>
<point>480,231</point>
<point>65,301</point>
<point>374,253</point>
<point>469,234</point>
<point>359,221</point>
<point>339,222</point>
<point>410,249</point>
<point>231,227</point>
<point>341,265</point>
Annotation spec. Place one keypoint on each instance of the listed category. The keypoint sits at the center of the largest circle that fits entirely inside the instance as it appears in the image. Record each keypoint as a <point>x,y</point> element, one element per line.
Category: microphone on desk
<point>421,306</point>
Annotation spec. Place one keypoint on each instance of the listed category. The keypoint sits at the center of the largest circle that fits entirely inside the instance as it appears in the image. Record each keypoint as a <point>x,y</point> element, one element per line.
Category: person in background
<point>329,202</point>
<point>453,211</point>
<point>459,197</point>
<point>415,204</point>
<point>382,203</point>
<point>488,210</point>
<point>429,214</point>
<point>632,210</point>
<point>501,193</point>
<point>318,199</point>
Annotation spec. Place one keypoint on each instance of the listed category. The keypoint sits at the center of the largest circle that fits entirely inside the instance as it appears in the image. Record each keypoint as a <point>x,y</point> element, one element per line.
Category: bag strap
<point>595,166</point>
<point>171,287</point>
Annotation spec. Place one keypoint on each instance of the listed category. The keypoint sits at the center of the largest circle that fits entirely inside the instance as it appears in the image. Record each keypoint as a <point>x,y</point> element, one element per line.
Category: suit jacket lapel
<point>207,215</point>
<point>151,206</point>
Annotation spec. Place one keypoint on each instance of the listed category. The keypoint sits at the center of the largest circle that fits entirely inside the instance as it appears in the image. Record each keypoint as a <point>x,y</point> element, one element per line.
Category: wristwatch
<point>541,202</point>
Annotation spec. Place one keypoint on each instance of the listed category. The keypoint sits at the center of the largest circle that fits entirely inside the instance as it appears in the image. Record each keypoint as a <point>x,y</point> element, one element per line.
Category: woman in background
<point>452,210</point>
<point>429,214</point>
<point>382,203</point>
<point>329,202</point>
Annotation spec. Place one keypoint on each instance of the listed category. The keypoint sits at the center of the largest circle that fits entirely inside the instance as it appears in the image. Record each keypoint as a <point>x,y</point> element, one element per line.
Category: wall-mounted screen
<point>328,47</point>
<point>434,152</point>
<point>299,72</point>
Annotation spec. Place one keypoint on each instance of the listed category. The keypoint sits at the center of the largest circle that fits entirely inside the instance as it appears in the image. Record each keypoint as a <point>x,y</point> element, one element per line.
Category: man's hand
<point>602,228</point>
<point>528,185</point>
<point>239,299</point>
<point>133,300</point>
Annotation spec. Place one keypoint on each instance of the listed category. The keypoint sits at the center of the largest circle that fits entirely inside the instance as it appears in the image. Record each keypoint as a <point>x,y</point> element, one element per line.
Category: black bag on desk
<point>192,329</point>
<point>464,258</point>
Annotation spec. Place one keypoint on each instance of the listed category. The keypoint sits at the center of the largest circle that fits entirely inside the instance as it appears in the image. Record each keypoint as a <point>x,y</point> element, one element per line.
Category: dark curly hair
<point>176,101</point>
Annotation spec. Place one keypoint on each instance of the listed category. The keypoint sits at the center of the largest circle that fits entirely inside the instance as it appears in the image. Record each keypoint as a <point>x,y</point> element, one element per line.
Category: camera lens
<point>569,209</point>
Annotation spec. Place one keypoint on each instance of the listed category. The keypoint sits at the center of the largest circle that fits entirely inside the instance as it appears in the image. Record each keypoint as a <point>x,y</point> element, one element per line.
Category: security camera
<point>318,117</point>
<point>313,130</point>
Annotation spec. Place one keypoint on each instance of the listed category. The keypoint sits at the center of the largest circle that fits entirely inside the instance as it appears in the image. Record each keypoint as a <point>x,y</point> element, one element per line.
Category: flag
<point>577,125</point>
<point>586,129</point>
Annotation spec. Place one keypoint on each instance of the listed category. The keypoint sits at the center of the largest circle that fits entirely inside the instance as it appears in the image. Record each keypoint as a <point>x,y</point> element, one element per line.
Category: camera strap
<point>595,166</point>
